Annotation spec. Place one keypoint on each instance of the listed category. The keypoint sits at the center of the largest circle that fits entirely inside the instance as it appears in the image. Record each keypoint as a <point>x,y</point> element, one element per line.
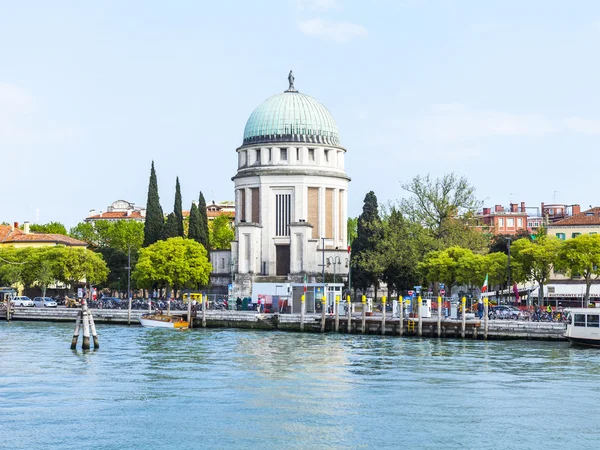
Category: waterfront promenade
<point>450,328</point>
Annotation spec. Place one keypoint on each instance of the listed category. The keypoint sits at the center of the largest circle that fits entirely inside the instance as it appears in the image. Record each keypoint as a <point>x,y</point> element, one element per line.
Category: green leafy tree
<point>401,248</point>
<point>205,233</point>
<point>580,256</point>
<point>499,242</point>
<point>496,266</point>
<point>367,263</point>
<point>445,207</point>
<point>49,228</point>
<point>177,209</point>
<point>536,259</point>
<point>75,265</point>
<point>221,232</point>
<point>11,266</point>
<point>194,230</point>
<point>174,263</point>
<point>444,266</point>
<point>86,232</point>
<point>155,219</point>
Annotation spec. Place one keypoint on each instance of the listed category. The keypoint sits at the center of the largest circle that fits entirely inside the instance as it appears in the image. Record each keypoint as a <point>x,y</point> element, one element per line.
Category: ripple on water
<point>245,389</point>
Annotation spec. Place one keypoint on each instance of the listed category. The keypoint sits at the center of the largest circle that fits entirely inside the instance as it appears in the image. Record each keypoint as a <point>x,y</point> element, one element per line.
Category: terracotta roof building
<point>13,236</point>
<point>217,209</point>
<point>119,210</point>
<point>586,222</point>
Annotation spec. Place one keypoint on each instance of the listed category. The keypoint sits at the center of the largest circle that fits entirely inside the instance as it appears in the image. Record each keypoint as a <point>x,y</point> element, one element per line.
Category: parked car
<point>22,300</point>
<point>44,302</point>
<point>506,312</point>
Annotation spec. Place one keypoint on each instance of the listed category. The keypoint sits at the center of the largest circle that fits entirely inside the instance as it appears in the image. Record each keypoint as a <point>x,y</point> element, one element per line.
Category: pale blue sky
<point>504,92</point>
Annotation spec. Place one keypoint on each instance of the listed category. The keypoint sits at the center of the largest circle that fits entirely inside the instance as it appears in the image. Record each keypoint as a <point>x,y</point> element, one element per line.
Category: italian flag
<point>484,289</point>
<point>305,284</point>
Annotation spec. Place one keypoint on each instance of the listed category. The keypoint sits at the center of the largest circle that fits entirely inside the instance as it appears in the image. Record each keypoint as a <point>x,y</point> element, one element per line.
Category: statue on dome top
<point>291,80</point>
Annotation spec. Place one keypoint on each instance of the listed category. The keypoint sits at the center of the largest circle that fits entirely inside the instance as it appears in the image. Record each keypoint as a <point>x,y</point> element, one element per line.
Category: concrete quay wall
<point>474,329</point>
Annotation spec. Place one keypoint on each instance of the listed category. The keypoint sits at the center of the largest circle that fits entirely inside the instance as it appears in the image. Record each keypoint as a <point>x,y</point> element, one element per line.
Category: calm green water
<point>161,389</point>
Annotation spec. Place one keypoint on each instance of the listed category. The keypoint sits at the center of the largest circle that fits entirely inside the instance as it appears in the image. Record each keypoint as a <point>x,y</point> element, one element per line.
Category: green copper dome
<point>291,117</point>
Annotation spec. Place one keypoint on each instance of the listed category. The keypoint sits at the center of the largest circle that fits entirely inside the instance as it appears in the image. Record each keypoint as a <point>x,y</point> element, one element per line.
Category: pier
<point>449,328</point>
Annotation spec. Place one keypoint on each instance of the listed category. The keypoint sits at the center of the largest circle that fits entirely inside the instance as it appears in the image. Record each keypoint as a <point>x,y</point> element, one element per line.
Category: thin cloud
<point>328,29</point>
<point>456,122</point>
<point>583,126</point>
<point>21,122</point>
<point>318,5</point>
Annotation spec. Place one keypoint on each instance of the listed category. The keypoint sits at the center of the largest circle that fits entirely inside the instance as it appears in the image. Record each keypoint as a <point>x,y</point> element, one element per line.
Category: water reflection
<point>247,389</point>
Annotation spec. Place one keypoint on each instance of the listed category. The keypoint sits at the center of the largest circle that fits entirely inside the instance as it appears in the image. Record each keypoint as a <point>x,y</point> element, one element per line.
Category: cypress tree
<point>177,209</point>
<point>369,233</point>
<point>204,236</point>
<point>194,231</point>
<point>153,226</point>
<point>171,227</point>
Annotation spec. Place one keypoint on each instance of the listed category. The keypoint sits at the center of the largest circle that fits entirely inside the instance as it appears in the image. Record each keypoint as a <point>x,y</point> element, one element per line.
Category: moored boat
<point>163,321</point>
<point>583,326</point>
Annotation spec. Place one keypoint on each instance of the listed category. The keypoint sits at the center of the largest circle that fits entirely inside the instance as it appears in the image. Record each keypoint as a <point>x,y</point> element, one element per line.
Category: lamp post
<point>508,239</point>
<point>323,258</point>
<point>129,284</point>
<point>334,260</point>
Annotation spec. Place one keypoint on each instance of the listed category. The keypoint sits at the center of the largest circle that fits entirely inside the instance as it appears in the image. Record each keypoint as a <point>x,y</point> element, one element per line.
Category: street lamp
<point>334,260</point>
<point>508,239</point>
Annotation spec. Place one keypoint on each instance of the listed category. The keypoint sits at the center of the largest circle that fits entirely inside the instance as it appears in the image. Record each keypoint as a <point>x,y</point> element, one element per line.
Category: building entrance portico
<point>282,259</point>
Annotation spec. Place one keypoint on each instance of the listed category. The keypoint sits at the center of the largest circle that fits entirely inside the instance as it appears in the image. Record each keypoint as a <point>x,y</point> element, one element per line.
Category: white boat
<point>163,321</point>
<point>583,326</point>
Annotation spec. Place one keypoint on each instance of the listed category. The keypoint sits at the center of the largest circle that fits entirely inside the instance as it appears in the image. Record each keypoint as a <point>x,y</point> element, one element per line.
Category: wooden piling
<point>418,316</point>
<point>129,312</point>
<point>93,329</point>
<point>464,317</point>
<point>76,332</point>
<point>337,313</point>
<point>485,317</point>
<point>349,302</point>
<point>86,328</point>
<point>190,318</point>
<point>440,309</point>
<point>203,300</point>
<point>302,307</point>
<point>401,331</point>
<point>323,312</point>
<point>364,314</point>
<point>383,313</point>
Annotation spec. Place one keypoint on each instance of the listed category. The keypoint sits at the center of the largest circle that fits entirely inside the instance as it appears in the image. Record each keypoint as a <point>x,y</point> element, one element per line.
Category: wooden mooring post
<point>203,300</point>
<point>463,327</point>
<point>364,314</point>
<point>323,312</point>
<point>418,316</point>
<point>86,321</point>
<point>337,313</point>
<point>190,318</point>
<point>302,307</point>
<point>401,328</point>
<point>383,312</point>
<point>485,317</point>
<point>440,309</point>
<point>349,303</point>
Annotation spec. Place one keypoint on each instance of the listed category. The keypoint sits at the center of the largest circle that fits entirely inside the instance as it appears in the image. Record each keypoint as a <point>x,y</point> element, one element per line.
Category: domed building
<point>291,193</point>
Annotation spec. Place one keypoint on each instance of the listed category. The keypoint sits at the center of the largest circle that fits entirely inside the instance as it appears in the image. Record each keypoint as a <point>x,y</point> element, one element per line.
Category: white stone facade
<point>291,203</point>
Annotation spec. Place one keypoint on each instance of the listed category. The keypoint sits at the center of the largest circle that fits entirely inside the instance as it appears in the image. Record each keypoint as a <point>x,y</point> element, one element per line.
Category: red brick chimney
<point>522,206</point>
<point>487,211</point>
<point>16,226</point>
<point>498,208</point>
<point>513,207</point>
<point>576,209</point>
